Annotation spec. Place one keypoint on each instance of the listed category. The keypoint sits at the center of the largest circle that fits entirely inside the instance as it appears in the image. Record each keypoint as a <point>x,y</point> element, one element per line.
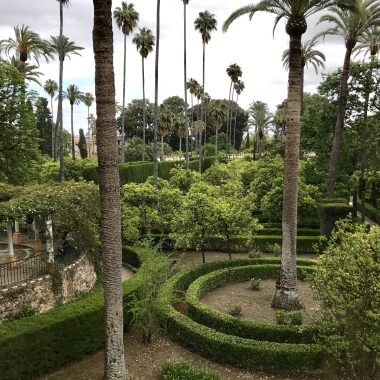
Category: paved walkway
<point>126,274</point>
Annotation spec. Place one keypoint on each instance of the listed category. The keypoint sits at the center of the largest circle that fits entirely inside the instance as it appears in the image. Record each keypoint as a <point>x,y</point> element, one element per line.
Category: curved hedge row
<point>238,351</point>
<point>230,325</point>
<point>36,345</point>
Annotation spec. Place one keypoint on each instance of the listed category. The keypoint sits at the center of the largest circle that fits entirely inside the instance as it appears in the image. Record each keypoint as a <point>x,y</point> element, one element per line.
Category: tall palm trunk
<point>52,128</point>
<point>162,149</point>
<point>72,132</point>
<point>286,296</point>
<point>109,186</point>
<point>60,99</point>
<point>122,150</point>
<point>338,133</point>
<point>202,104</point>
<point>235,117</point>
<point>302,85</point>
<point>180,144</point>
<point>144,108</point>
<point>185,88</point>
<point>228,117</point>
<point>155,161</point>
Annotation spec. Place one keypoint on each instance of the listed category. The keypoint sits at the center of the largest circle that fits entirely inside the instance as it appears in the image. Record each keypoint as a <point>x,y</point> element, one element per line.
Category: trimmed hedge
<point>372,213</point>
<point>237,351</point>
<point>329,213</point>
<point>301,231</point>
<point>36,345</point>
<point>304,243</point>
<point>186,371</point>
<point>230,325</point>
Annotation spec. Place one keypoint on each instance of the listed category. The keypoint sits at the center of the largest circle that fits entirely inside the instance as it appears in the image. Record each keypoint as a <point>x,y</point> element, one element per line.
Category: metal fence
<point>16,272</point>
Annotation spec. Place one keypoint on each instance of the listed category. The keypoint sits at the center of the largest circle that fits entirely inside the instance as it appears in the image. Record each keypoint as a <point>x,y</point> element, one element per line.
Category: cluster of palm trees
<point>28,45</point>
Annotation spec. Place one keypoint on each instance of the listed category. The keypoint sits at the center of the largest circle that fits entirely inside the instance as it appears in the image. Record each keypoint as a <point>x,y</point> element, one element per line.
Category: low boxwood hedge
<point>185,371</point>
<point>301,231</point>
<point>305,244</point>
<point>36,345</point>
<point>230,325</point>
<point>237,351</point>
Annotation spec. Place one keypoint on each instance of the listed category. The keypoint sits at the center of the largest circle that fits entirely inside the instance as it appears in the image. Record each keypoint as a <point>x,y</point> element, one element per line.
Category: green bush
<point>305,244</point>
<point>237,351</point>
<point>292,318</point>
<point>186,371</point>
<point>235,311</point>
<point>301,231</point>
<point>60,336</point>
<point>329,213</point>
<point>204,315</point>
<point>254,283</point>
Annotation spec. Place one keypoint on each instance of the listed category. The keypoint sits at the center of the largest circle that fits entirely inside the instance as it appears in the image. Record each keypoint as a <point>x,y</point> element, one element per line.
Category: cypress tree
<point>82,144</point>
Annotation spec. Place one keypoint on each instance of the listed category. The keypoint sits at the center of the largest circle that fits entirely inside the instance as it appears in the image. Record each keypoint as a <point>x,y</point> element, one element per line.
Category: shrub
<point>274,248</point>
<point>292,318</point>
<point>330,213</point>
<point>255,254</point>
<point>186,371</point>
<point>254,284</point>
<point>235,311</point>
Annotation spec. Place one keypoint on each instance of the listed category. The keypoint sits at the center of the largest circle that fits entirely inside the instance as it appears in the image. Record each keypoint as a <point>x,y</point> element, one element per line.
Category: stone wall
<point>43,293</point>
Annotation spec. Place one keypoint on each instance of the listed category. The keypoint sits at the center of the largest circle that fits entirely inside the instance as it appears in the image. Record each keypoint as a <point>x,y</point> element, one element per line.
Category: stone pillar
<point>49,239</point>
<point>10,240</point>
<point>17,236</point>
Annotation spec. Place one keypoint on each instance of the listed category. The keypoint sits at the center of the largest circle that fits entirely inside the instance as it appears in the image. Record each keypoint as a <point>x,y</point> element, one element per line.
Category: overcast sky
<point>247,43</point>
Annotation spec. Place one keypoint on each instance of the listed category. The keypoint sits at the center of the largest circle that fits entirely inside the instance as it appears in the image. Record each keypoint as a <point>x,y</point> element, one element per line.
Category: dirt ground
<point>255,304</point>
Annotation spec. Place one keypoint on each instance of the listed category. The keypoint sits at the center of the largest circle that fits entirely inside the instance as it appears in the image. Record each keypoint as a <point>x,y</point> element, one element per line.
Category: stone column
<point>17,236</point>
<point>10,240</point>
<point>49,239</point>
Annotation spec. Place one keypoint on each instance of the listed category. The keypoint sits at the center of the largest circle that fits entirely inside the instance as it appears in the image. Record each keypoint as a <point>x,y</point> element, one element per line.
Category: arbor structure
<point>74,96</point>
<point>63,47</point>
<point>309,56</point>
<point>350,24</point>
<point>295,13</point>
<point>144,42</point>
<point>109,186</point>
<point>51,87</point>
<point>205,24</point>
<point>126,19</point>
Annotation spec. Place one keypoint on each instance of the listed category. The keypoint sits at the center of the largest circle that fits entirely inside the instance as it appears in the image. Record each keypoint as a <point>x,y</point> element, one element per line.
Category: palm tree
<point>28,71</point>
<point>192,85</point>
<point>185,3</point>
<point>74,96</point>
<point>155,120</point>
<point>26,45</point>
<point>234,72</point>
<point>126,19</point>
<point>296,13</point>
<point>88,99</point>
<point>205,24</point>
<point>109,186</point>
<point>144,42</point>
<point>350,24</point>
<point>309,56</point>
<point>239,87</point>
<point>62,47</point>
<point>180,126</point>
<point>165,125</point>
<point>217,116</point>
<point>261,119</point>
<point>51,87</point>
<point>368,42</point>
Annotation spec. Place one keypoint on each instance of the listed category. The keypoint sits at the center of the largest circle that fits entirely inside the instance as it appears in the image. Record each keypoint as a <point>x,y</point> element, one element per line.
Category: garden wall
<point>45,292</point>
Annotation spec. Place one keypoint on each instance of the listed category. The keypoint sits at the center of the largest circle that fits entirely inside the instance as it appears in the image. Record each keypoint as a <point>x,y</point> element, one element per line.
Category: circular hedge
<point>254,354</point>
<point>230,325</point>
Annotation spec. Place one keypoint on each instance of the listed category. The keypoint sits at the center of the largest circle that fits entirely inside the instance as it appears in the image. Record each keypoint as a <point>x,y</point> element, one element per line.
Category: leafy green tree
<point>126,18</point>
<point>44,124</point>
<point>134,149</point>
<point>144,42</point>
<point>295,12</point>
<point>346,283</point>
<point>205,24</point>
<point>18,134</point>
<point>192,86</point>
<point>74,96</point>
<point>82,145</point>
<point>194,223</point>
<point>182,179</point>
<point>239,87</point>
<point>349,24</point>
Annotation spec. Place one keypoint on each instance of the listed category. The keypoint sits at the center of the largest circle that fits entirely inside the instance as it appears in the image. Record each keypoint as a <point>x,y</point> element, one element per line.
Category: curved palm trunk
<point>338,133</point>
<point>144,109</point>
<point>202,104</point>
<point>185,88</point>
<point>286,296</point>
<point>122,145</point>
<point>72,132</point>
<point>155,161</point>
<point>109,185</point>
